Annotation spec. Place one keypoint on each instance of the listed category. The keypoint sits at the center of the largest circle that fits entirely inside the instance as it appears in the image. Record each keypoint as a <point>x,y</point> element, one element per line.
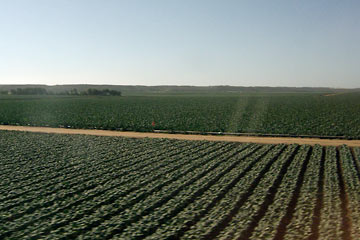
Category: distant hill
<point>169,89</point>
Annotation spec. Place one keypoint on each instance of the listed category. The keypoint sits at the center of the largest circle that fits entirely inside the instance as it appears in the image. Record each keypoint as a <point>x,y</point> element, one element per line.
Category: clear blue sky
<point>181,42</point>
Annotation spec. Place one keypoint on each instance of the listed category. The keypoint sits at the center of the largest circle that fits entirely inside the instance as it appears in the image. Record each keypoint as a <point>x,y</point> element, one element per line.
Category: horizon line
<point>201,86</point>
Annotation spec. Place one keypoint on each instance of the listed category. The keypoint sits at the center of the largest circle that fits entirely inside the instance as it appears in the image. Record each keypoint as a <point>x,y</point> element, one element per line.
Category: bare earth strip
<point>252,139</point>
<point>332,94</point>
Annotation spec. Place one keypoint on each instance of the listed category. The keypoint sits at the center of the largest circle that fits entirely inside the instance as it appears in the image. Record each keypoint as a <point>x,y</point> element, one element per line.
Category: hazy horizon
<point>185,43</point>
<point>139,85</point>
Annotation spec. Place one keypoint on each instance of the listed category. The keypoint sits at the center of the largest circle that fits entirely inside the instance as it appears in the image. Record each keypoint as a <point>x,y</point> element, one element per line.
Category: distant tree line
<point>43,91</point>
<point>26,91</point>
<point>94,92</point>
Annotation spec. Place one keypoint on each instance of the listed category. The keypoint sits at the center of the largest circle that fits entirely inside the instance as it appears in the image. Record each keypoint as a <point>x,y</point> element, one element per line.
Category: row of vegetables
<point>86,187</point>
<point>294,114</point>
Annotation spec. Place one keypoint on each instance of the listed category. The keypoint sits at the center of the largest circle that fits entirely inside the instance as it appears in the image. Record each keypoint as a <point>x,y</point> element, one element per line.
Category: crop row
<point>88,166</point>
<point>30,181</point>
<point>123,188</point>
<point>82,187</point>
<point>164,188</point>
<point>295,114</point>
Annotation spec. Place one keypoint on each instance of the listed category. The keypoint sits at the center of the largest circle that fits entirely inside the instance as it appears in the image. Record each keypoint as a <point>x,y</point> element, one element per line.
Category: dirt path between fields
<point>253,139</point>
<point>332,94</point>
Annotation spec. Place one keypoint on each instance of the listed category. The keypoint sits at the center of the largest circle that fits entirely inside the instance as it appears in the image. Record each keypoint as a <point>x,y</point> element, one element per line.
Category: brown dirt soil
<point>332,94</point>
<point>253,139</point>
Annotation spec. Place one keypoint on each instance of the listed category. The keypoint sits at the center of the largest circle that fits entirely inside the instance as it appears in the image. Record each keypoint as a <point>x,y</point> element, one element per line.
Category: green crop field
<point>87,187</point>
<point>262,113</point>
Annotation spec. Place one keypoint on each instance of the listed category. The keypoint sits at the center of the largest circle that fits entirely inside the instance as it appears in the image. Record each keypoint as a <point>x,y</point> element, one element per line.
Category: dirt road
<point>253,139</point>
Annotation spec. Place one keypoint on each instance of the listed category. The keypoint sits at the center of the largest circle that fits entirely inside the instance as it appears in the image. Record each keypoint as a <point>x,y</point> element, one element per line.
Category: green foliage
<point>28,91</point>
<point>88,187</point>
<point>293,114</point>
<point>96,92</point>
<point>74,92</point>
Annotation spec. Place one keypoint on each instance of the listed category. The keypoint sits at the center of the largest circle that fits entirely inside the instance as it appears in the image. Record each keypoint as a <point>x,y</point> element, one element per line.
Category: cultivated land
<point>290,114</point>
<point>148,186</point>
<point>58,186</point>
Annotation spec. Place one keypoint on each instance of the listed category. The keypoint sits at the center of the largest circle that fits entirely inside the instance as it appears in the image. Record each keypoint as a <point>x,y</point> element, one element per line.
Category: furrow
<point>319,202</point>
<point>241,217</point>
<point>40,168</point>
<point>330,227</point>
<point>355,154</point>
<point>194,212</point>
<point>165,188</point>
<point>38,184</point>
<point>104,167</point>
<point>285,198</point>
<point>111,198</point>
<point>148,223</point>
<point>269,199</point>
<point>222,213</point>
<point>352,189</point>
<point>309,199</point>
<point>286,219</point>
<point>76,199</point>
<point>346,222</point>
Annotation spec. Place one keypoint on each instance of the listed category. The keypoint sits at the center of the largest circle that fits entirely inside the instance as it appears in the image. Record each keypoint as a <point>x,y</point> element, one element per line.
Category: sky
<point>310,43</point>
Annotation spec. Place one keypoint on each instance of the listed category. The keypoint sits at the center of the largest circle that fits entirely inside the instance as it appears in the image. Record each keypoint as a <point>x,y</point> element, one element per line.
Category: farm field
<point>91,187</point>
<point>266,113</point>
